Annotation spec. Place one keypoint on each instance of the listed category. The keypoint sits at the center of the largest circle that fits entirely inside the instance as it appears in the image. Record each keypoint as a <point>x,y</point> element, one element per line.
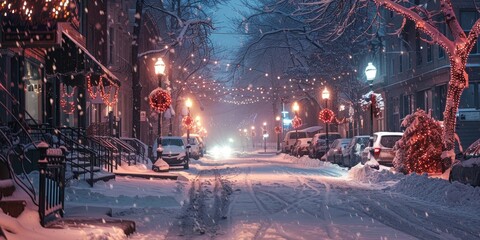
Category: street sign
<point>143,116</point>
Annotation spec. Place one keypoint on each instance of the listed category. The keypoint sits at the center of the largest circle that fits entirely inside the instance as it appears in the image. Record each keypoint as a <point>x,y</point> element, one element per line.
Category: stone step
<point>127,226</point>
<point>100,176</point>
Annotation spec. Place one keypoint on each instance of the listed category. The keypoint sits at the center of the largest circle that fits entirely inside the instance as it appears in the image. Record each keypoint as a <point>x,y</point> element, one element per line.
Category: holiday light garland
<point>296,122</point>
<point>37,11</point>
<point>93,94</point>
<point>326,115</point>
<point>106,95</point>
<point>64,99</point>
<point>159,100</point>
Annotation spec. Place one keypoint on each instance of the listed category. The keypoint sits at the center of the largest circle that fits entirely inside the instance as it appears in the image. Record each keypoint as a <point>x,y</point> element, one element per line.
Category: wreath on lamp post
<point>159,100</point>
<point>296,122</point>
<point>326,115</point>
<point>188,122</point>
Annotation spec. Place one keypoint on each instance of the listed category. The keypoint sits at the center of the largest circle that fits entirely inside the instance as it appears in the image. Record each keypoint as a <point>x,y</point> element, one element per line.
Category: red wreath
<point>326,115</point>
<point>159,100</point>
<point>296,122</point>
<point>278,129</point>
<point>188,122</point>
<point>376,110</point>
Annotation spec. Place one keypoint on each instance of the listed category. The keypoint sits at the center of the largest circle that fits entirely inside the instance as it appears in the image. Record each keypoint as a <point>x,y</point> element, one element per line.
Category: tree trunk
<point>458,82</point>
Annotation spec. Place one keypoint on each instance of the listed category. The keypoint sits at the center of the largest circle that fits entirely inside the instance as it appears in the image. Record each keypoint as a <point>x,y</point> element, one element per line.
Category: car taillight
<point>376,152</point>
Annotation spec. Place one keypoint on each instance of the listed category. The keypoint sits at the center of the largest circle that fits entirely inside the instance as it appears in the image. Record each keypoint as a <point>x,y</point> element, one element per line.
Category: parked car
<point>290,139</point>
<point>381,151</point>
<point>195,150</point>
<point>353,152</point>
<point>300,147</point>
<point>334,153</point>
<point>318,145</point>
<point>200,142</point>
<point>174,151</point>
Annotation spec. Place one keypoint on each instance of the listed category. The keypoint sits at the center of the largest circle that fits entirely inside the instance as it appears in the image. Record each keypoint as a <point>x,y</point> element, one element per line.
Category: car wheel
<point>186,166</point>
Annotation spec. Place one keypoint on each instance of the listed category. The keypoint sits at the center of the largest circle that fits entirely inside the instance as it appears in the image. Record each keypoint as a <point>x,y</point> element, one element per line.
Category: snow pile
<point>438,190</point>
<point>367,174</point>
<point>306,161</point>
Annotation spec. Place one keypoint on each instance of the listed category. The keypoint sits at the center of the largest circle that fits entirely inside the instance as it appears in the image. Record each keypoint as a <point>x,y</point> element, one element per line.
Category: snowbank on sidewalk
<point>438,190</point>
<point>367,174</point>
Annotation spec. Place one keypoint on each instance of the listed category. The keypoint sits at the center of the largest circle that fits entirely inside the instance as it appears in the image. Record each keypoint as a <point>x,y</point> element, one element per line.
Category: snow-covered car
<point>195,150</point>
<point>174,151</point>
<point>352,154</point>
<point>300,147</point>
<point>319,147</point>
<point>290,139</point>
<point>334,154</point>
<point>382,149</point>
<point>202,148</point>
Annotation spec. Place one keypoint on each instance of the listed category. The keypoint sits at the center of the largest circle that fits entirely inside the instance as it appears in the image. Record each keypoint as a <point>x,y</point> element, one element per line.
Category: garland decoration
<point>159,100</point>
<point>376,100</point>
<point>326,115</point>
<point>64,99</point>
<point>296,122</point>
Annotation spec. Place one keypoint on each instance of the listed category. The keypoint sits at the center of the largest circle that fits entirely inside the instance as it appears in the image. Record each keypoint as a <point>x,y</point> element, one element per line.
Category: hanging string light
<point>37,11</point>
<point>107,94</point>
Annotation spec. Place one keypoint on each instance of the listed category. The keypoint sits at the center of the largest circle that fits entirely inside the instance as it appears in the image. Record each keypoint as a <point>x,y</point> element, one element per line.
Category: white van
<point>290,138</point>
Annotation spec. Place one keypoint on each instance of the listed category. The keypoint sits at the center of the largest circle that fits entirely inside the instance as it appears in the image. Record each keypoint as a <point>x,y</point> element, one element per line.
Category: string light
<point>159,100</point>
<point>296,122</point>
<point>64,99</point>
<point>37,11</point>
<point>188,122</point>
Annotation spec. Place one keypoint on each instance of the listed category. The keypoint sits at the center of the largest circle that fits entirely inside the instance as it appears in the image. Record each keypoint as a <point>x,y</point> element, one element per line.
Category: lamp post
<point>326,96</point>
<point>295,109</point>
<point>371,73</point>
<point>277,130</point>
<point>188,104</point>
<point>159,71</point>
<point>265,137</point>
<point>253,137</point>
<point>245,134</point>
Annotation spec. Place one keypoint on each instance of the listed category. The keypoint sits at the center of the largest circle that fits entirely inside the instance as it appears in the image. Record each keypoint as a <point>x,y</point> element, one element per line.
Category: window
<point>400,63</point>
<point>392,66</point>
<point>443,29</point>
<point>467,19</point>
<point>418,49</point>
<point>407,105</point>
<point>429,53</point>
<point>467,100</point>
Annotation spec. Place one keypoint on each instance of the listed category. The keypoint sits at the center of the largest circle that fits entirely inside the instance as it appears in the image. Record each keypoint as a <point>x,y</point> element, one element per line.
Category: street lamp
<point>159,71</point>
<point>326,96</point>
<point>371,73</point>
<point>295,109</point>
<point>277,130</point>
<point>246,139</point>
<point>265,135</point>
<point>253,137</point>
<point>188,104</point>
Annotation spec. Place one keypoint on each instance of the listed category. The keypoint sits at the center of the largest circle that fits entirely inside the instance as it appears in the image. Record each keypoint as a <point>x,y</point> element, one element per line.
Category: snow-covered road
<point>281,197</point>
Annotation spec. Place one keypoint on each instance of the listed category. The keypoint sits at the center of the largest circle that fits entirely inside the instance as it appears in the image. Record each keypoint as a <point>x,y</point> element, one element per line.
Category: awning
<point>79,40</point>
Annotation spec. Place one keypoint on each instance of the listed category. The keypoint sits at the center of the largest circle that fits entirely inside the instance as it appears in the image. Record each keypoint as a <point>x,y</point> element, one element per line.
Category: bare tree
<point>424,15</point>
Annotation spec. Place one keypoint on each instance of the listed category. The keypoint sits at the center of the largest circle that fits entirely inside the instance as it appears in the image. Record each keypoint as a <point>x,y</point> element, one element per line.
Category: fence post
<point>42,165</point>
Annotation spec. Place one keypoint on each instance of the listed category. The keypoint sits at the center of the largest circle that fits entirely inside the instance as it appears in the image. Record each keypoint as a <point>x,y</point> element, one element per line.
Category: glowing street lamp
<point>188,104</point>
<point>265,135</point>
<point>159,71</point>
<point>371,73</point>
<point>326,96</point>
<point>277,131</point>
<point>295,109</point>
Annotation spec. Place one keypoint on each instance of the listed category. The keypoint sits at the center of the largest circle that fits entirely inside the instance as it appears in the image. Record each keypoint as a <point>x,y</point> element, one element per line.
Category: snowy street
<point>282,197</point>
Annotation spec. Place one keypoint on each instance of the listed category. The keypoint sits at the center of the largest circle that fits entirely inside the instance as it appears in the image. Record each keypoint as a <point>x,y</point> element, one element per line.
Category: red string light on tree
<point>159,100</point>
<point>296,122</point>
<point>188,122</point>
<point>326,115</point>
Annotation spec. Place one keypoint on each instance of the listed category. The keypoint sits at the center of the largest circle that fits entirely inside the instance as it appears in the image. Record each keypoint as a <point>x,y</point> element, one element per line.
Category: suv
<point>290,139</point>
<point>195,150</point>
<point>318,145</point>
<point>382,149</point>
<point>174,151</point>
<point>200,143</point>
<point>352,154</point>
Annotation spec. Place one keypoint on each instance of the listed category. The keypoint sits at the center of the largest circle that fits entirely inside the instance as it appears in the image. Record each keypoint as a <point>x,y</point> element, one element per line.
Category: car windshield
<point>172,141</point>
<point>293,135</point>
<point>192,141</point>
<point>363,140</point>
